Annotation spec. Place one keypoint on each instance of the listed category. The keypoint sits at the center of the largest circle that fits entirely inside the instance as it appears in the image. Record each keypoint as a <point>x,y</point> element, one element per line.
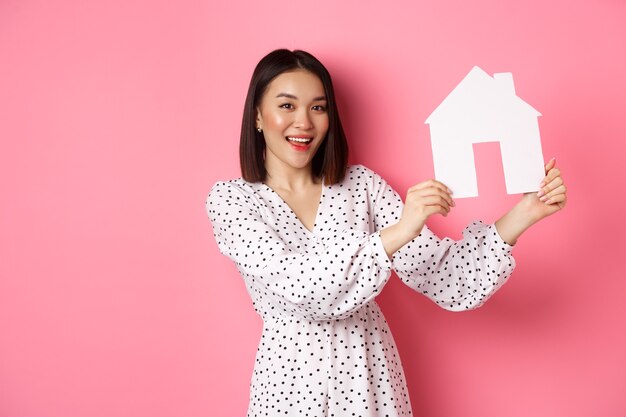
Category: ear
<point>259,119</point>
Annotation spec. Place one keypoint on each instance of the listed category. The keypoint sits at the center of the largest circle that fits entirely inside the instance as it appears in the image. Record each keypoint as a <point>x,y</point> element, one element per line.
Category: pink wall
<point>116,117</point>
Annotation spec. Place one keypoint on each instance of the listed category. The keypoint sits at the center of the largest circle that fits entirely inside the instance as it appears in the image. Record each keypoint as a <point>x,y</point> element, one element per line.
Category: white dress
<point>326,349</point>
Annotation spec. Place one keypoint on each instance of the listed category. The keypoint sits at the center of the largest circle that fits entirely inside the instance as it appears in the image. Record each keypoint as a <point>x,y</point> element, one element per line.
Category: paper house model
<point>486,109</point>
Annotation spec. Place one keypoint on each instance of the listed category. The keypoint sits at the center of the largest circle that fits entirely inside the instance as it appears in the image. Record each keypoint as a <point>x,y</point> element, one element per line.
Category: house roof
<point>479,92</point>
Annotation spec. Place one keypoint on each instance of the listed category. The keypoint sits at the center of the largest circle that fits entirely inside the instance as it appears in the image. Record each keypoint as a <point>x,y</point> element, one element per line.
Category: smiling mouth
<point>299,141</point>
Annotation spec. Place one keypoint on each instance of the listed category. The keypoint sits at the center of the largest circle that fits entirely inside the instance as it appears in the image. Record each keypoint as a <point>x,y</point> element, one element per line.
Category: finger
<point>560,190</point>
<point>427,192</point>
<point>426,204</point>
<point>560,199</point>
<point>430,183</point>
<point>436,200</point>
<point>552,174</point>
<point>430,210</point>
<point>433,191</point>
<point>557,182</point>
<point>551,163</point>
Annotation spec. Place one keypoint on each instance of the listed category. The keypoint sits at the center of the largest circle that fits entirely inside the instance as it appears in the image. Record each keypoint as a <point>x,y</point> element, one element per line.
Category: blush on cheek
<point>323,127</point>
<point>275,121</point>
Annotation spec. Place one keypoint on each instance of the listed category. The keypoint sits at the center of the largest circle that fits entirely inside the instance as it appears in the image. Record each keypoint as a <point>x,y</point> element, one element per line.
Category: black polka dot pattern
<point>326,349</point>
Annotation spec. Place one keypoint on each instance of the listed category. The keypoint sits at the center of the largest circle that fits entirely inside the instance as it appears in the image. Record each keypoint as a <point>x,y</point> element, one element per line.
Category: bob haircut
<point>331,159</point>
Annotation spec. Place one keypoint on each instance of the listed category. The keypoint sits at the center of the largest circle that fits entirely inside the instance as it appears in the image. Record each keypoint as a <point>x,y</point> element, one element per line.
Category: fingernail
<point>543,183</point>
<point>453,203</point>
<point>544,198</point>
<point>540,193</point>
<point>548,202</point>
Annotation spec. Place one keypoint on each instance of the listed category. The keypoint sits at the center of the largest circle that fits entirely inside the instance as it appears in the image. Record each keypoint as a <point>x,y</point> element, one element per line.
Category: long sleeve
<point>457,275</point>
<point>329,282</point>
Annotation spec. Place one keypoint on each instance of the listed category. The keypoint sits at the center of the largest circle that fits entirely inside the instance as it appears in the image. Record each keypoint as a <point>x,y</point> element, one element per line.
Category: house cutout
<point>486,109</point>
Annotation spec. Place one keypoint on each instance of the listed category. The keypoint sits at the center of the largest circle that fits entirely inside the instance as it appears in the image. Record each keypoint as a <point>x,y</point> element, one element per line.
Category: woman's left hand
<point>552,196</point>
<point>533,207</point>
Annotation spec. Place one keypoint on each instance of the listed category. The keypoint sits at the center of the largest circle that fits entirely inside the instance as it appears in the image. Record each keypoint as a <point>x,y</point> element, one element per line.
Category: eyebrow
<point>320,98</point>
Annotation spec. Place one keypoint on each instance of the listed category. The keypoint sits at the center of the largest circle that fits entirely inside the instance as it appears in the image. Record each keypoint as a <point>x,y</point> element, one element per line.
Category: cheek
<point>274,121</point>
<point>323,125</point>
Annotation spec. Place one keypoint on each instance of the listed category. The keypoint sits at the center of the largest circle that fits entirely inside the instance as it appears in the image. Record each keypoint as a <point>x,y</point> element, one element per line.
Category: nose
<point>303,120</point>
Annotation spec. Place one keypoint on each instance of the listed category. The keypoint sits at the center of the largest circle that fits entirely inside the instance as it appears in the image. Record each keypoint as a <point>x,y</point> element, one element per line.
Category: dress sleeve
<point>338,277</point>
<point>457,275</point>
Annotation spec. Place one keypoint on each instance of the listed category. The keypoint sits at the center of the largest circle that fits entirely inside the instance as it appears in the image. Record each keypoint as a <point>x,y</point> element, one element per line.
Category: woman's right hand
<point>422,201</point>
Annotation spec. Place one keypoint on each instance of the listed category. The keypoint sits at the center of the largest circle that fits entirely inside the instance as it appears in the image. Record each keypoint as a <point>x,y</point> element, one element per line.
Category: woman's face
<point>294,119</point>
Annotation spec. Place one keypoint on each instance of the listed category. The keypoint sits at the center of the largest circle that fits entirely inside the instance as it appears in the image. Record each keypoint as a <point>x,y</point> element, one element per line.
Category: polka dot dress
<point>326,349</point>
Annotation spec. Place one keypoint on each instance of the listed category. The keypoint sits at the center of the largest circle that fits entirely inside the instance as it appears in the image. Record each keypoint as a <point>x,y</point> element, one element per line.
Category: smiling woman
<point>315,241</point>
<point>301,92</point>
<point>295,121</point>
<point>294,126</point>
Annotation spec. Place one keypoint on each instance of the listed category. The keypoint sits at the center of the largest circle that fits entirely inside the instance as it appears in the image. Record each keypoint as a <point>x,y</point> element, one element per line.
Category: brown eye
<point>286,106</point>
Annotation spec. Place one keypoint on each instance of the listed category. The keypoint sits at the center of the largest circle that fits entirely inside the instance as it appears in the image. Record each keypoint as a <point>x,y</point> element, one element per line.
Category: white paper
<point>486,109</point>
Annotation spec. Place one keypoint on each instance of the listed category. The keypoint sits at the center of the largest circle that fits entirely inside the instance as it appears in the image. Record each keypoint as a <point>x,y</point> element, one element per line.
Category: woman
<point>315,241</point>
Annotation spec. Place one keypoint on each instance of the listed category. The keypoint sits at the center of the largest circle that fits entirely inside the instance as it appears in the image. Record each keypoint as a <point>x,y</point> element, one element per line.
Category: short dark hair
<point>331,158</point>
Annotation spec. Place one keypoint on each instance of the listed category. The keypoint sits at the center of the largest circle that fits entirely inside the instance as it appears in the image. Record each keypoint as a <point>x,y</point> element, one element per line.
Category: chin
<point>301,164</point>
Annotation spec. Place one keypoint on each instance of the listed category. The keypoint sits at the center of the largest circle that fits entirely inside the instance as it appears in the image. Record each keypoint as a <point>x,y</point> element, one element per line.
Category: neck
<point>290,178</point>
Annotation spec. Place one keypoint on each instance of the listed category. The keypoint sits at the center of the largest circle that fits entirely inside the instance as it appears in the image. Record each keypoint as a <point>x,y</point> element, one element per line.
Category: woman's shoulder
<point>361,174</point>
<point>236,189</point>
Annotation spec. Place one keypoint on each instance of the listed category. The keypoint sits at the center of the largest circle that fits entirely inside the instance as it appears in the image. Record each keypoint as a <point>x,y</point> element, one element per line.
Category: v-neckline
<point>293,213</point>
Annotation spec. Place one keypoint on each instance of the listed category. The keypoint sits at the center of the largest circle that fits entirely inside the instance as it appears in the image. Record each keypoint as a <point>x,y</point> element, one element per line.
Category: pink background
<point>116,117</point>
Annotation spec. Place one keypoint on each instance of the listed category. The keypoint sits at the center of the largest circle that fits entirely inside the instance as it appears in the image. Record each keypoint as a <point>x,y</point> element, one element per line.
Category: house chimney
<point>504,80</point>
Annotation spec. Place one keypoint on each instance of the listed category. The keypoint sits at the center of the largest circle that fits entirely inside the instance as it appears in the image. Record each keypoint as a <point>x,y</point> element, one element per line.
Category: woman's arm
<point>463,274</point>
<point>432,197</point>
<point>327,281</point>
<point>457,275</point>
<point>534,206</point>
<point>422,201</point>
